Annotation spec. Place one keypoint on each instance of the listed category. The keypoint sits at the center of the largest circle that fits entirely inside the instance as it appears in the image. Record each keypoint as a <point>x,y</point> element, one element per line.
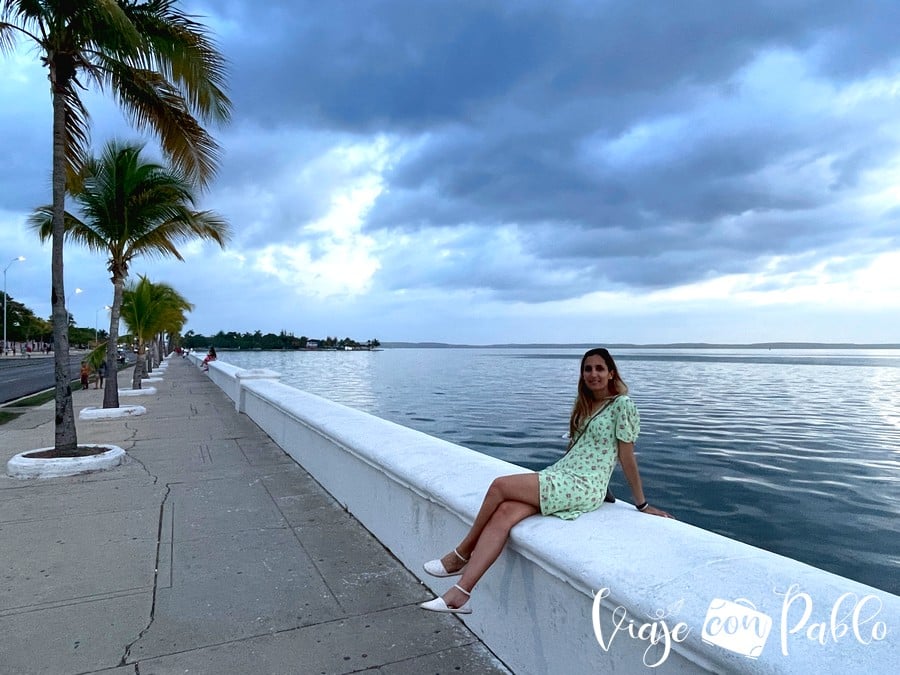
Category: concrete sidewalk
<point>209,551</point>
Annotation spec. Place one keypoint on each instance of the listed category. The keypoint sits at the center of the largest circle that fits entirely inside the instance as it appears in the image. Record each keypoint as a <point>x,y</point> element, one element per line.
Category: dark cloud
<point>539,150</point>
<point>512,108</point>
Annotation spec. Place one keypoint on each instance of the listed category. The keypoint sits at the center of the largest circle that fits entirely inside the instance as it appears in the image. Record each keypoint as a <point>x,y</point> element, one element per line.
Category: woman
<point>210,356</point>
<point>603,427</point>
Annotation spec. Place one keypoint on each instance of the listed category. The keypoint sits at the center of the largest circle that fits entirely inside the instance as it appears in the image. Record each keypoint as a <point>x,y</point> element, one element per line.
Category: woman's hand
<point>653,511</point>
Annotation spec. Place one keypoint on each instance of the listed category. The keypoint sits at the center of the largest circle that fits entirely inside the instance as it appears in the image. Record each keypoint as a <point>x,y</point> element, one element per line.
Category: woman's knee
<point>495,489</point>
<point>511,512</point>
<point>502,486</point>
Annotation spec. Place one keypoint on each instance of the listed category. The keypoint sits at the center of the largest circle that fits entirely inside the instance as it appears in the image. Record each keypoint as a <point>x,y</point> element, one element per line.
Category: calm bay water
<point>794,451</point>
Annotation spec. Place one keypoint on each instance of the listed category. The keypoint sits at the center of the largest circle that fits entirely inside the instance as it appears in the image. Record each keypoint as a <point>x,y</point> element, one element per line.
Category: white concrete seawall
<point>691,592</point>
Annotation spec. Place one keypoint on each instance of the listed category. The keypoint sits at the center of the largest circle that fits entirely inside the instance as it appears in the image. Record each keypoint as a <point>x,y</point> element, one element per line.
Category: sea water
<point>793,451</point>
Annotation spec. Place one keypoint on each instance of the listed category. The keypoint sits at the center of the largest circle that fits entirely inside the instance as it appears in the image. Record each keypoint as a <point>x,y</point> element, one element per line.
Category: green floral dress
<point>577,482</point>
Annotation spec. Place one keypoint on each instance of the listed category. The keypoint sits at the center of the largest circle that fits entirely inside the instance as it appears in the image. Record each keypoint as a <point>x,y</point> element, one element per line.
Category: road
<point>21,376</point>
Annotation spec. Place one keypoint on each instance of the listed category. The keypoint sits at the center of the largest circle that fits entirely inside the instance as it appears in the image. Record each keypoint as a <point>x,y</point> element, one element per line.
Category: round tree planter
<point>91,413</point>
<point>22,466</point>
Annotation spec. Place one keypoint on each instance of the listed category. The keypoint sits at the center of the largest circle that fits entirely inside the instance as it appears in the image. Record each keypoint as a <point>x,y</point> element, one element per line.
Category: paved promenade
<point>209,551</point>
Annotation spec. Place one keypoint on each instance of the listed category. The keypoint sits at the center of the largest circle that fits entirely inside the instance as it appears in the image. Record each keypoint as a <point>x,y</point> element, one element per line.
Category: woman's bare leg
<point>522,487</point>
<point>490,544</point>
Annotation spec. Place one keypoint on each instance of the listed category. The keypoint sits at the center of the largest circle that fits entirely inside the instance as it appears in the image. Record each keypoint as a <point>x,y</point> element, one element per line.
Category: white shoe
<point>438,604</point>
<point>436,568</point>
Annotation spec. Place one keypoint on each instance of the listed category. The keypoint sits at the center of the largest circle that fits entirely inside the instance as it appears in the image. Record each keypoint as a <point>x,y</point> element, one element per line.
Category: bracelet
<point>642,507</point>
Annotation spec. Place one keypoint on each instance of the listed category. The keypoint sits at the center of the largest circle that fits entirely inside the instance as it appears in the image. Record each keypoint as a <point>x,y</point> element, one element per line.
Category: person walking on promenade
<point>85,374</point>
<point>101,375</point>
<point>603,427</point>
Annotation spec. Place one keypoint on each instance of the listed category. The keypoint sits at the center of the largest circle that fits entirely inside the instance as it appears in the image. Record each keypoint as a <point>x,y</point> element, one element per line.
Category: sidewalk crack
<point>159,537</point>
<point>144,467</point>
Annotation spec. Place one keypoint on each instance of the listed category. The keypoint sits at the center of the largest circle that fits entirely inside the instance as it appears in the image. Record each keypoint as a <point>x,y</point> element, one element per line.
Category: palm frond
<point>130,207</point>
<point>179,47</point>
<point>111,28</point>
<point>97,356</point>
<point>8,34</point>
<point>148,308</point>
<point>153,103</point>
<point>77,136</point>
<point>41,221</point>
<point>21,11</point>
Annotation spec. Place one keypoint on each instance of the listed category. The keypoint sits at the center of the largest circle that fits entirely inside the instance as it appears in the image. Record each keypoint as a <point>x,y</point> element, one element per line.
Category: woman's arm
<point>630,468</point>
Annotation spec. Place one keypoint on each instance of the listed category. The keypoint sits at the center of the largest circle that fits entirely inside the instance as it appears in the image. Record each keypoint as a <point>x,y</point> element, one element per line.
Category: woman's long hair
<point>585,400</point>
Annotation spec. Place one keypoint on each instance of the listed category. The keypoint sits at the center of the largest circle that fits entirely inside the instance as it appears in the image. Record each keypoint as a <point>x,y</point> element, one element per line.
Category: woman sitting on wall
<point>211,356</point>
<point>603,427</point>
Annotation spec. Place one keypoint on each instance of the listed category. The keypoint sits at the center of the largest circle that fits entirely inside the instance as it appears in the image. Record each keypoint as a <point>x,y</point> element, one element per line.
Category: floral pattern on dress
<point>577,482</point>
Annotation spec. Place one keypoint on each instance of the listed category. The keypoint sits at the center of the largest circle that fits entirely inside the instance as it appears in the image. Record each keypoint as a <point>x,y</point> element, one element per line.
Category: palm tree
<point>165,73</point>
<point>131,207</point>
<point>148,308</point>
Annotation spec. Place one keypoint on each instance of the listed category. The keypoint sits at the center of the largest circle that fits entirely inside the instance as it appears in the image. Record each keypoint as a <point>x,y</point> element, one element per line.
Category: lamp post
<point>14,260</point>
<point>96,338</point>
<point>69,314</point>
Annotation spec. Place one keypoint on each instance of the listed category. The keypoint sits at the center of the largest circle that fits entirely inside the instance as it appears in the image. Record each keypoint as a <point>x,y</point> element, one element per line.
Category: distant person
<point>101,375</point>
<point>603,427</point>
<point>211,356</point>
<point>85,374</point>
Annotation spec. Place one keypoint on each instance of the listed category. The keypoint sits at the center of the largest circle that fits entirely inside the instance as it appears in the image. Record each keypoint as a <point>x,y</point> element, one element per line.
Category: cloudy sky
<point>530,171</point>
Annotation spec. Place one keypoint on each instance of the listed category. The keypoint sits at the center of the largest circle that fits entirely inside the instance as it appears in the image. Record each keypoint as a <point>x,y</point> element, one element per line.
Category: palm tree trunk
<point>111,392</point>
<point>66,437</point>
<point>139,366</point>
<point>148,362</point>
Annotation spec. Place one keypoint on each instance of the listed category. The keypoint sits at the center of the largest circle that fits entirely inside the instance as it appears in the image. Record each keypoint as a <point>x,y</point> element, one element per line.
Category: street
<point>22,375</point>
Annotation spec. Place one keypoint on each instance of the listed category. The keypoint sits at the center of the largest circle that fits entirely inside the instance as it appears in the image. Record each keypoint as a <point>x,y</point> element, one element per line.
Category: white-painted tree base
<point>143,391</point>
<point>21,466</point>
<point>91,413</point>
<point>151,379</point>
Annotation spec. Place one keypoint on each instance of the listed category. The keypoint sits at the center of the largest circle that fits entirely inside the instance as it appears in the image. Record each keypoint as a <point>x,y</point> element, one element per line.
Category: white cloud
<point>335,258</point>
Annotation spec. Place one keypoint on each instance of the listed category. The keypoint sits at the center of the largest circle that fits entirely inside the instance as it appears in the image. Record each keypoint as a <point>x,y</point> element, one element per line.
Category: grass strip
<point>7,416</point>
<point>44,396</point>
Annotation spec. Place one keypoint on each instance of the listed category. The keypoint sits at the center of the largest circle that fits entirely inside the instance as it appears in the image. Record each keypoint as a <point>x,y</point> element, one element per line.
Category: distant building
<point>312,344</point>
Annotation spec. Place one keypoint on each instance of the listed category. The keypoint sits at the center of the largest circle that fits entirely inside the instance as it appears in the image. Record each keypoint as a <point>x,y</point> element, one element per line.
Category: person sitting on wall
<point>211,356</point>
<point>603,427</point>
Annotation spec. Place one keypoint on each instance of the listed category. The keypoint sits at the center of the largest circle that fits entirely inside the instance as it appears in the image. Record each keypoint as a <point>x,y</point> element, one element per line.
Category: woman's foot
<point>451,565</point>
<point>456,596</point>
<point>454,601</point>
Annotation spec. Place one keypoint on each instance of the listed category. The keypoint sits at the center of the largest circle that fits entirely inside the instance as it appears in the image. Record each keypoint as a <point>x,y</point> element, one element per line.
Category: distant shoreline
<point>626,345</point>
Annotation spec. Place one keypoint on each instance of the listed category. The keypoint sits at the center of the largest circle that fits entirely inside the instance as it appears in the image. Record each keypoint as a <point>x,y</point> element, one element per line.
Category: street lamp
<point>107,308</point>
<point>14,260</point>
<point>69,314</point>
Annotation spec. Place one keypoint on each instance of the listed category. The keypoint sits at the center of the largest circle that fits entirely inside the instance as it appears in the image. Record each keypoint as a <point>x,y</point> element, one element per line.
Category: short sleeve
<point>626,420</point>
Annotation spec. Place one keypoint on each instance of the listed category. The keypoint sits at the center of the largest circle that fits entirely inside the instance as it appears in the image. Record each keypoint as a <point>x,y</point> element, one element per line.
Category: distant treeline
<point>667,345</point>
<point>257,340</point>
